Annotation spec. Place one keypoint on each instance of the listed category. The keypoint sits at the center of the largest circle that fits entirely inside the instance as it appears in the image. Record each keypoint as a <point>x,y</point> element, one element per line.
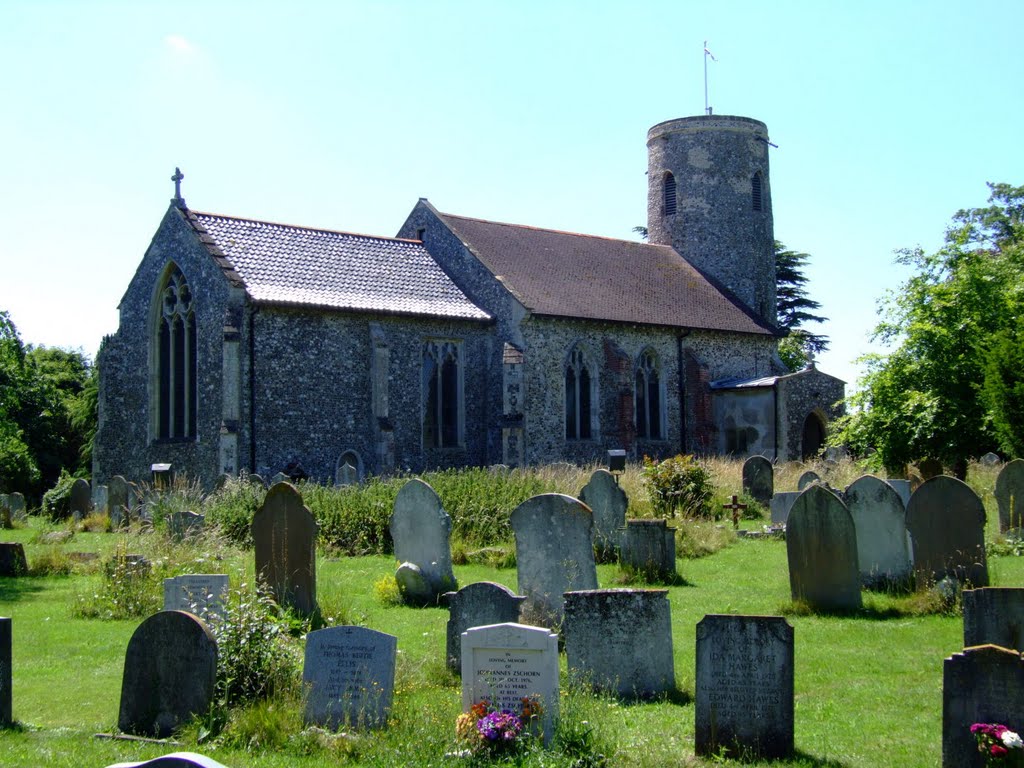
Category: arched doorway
<point>813,437</point>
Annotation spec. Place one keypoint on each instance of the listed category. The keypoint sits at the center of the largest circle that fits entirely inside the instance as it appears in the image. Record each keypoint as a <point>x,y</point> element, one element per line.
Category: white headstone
<point>200,593</point>
<point>883,548</point>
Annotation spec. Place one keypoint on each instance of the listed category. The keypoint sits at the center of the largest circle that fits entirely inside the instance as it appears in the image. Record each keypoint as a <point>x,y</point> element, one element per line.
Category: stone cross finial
<point>176,178</point>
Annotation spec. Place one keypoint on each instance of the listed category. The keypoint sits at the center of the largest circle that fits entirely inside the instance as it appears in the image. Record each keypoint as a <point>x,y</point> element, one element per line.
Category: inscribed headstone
<point>994,616</point>
<point>744,701</point>
<point>505,663</point>
<point>284,533</point>
<point>6,677</point>
<point>1009,494</point>
<point>81,499</point>
<point>781,505</point>
<point>421,530</point>
<point>883,553</point>
<point>759,478</point>
<point>174,760</point>
<point>608,503</point>
<point>183,525</point>
<point>983,684</point>
<point>808,477</point>
<point>100,499</point>
<point>946,522</point>
<point>12,559</point>
<point>620,641</point>
<point>649,548</point>
<point>200,593</point>
<point>119,501</point>
<point>346,475</point>
<point>554,554</point>
<point>477,605</point>
<point>821,545</point>
<point>170,670</point>
<point>349,677</point>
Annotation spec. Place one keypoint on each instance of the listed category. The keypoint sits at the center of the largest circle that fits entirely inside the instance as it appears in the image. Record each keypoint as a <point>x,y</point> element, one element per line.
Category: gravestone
<point>1009,494</point>
<point>946,522</point>
<point>170,670</point>
<point>6,677</point>
<point>620,641</point>
<point>162,476</point>
<point>990,459</point>
<point>222,481</point>
<point>759,478</point>
<point>808,477</point>
<point>554,554</point>
<point>200,593</point>
<point>346,475</point>
<point>119,501</point>
<point>5,514</point>
<point>505,663</point>
<point>821,546</point>
<point>781,505</point>
<point>608,503</point>
<point>100,500</point>
<point>883,553</point>
<point>284,533</point>
<point>994,616</point>
<point>12,559</point>
<point>983,684</point>
<point>81,499</point>
<point>477,605</point>
<point>184,525</point>
<point>16,503</point>
<point>649,548</point>
<point>929,468</point>
<point>421,530</point>
<point>174,760</point>
<point>902,488</point>
<point>349,677</point>
<point>256,479</point>
<point>744,687</point>
<point>280,477</point>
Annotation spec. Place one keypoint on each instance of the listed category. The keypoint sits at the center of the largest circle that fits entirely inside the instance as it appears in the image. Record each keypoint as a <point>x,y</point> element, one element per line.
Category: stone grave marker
<point>185,525</point>
<point>883,551</point>
<point>349,677</point>
<point>200,593</point>
<point>346,475</point>
<point>505,663</point>
<point>1009,492</point>
<point>284,532</point>
<point>174,760</point>
<point>170,670</point>
<point>946,522</point>
<point>554,554</point>
<point>620,641</point>
<point>280,477</point>
<point>608,503</point>
<point>759,478</point>
<point>781,505</point>
<point>902,488</point>
<point>990,459</point>
<point>744,687</point>
<point>983,684</point>
<point>5,513</point>
<point>81,499</point>
<point>477,605</point>
<point>222,481</point>
<point>421,530</point>
<point>12,559</point>
<point>808,477</point>
<point>100,499</point>
<point>256,479</point>
<point>649,548</point>
<point>994,616</point>
<point>119,501</point>
<point>821,546</point>
<point>6,676</point>
<point>16,503</point>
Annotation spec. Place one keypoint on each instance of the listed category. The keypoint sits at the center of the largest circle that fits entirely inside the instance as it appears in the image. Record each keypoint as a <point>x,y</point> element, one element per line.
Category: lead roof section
<point>582,276</point>
<point>284,264</point>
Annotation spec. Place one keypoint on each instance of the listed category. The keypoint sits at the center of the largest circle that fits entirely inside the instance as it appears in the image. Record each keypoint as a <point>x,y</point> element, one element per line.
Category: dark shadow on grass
<point>18,588</point>
<point>801,758</point>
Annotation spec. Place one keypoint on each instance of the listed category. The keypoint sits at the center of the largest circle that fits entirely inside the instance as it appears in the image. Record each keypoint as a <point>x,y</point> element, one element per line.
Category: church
<point>251,346</point>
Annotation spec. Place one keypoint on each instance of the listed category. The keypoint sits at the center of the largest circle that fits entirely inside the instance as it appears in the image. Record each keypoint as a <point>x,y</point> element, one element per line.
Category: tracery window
<point>647,397</point>
<point>442,395</point>
<point>580,384</point>
<point>175,359</point>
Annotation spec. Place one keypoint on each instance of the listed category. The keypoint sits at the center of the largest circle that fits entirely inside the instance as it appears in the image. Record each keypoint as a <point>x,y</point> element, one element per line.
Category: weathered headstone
<point>781,505</point>
<point>477,605</point>
<point>257,480</point>
<point>81,499</point>
<point>649,548</point>
<point>280,477</point>
<point>100,499</point>
<point>759,478</point>
<point>821,545</point>
<point>883,554</point>
<point>808,477</point>
<point>505,663</point>
<point>983,684</point>
<point>421,530</point>
<point>200,593</point>
<point>554,554</point>
<point>946,522</point>
<point>5,513</point>
<point>349,677</point>
<point>994,616</point>
<point>284,533</point>
<point>902,488</point>
<point>990,459</point>
<point>6,676</point>
<point>744,701</point>
<point>12,559</point>
<point>1009,492</point>
<point>170,670</point>
<point>346,475</point>
<point>620,641</point>
<point>184,525</point>
<point>222,481</point>
<point>174,760</point>
<point>119,501</point>
<point>608,503</point>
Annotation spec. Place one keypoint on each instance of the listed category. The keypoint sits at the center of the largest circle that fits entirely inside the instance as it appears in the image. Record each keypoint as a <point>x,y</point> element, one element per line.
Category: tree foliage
<point>795,309</point>
<point>953,373</point>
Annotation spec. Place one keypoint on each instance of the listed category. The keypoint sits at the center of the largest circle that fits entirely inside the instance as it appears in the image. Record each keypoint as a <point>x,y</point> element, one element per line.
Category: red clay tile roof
<point>282,264</point>
<point>583,276</point>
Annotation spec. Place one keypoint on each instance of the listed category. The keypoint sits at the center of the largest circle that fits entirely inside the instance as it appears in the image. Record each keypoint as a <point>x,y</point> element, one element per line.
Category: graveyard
<point>823,647</point>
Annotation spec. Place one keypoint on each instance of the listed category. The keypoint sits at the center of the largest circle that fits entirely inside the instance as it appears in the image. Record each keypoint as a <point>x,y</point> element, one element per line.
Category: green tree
<point>795,309</point>
<point>924,398</point>
<point>18,469</point>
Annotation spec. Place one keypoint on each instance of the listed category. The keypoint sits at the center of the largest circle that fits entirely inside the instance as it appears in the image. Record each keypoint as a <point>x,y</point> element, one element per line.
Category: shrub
<point>128,590</point>
<point>57,500</point>
<point>50,561</point>
<point>232,508</point>
<point>354,519</point>
<point>679,484</point>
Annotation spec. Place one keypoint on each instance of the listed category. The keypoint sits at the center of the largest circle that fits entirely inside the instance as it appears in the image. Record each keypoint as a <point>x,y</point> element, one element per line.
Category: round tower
<point>709,196</point>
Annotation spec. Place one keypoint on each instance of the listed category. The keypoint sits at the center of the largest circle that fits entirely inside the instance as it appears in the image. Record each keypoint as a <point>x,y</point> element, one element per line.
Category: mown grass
<point>868,688</point>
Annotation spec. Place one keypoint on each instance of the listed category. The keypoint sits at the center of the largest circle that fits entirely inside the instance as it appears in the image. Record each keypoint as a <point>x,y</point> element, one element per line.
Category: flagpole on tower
<point>707,107</point>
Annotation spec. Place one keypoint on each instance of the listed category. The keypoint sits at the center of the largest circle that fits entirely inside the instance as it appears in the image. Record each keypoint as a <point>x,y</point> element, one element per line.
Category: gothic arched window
<point>647,398</point>
<point>670,194</point>
<point>442,395</point>
<point>580,389</point>
<point>755,191</point>
<point>175,359</point>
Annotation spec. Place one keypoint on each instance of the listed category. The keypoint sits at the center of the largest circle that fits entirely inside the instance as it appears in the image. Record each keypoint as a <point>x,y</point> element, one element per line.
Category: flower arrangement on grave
<point>486,729</point>
<point>999,745</point>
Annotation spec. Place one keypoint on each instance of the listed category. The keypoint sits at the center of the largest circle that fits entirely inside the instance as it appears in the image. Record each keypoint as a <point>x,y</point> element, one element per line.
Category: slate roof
<point>582,276</point>
<point>283,264</point>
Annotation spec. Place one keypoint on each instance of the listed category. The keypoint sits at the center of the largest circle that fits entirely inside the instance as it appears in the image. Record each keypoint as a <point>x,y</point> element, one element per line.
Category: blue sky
<point>888,116</point>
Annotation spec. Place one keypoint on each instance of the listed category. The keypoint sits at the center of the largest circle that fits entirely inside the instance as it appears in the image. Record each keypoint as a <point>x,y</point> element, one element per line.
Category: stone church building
<point>253,346</point>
